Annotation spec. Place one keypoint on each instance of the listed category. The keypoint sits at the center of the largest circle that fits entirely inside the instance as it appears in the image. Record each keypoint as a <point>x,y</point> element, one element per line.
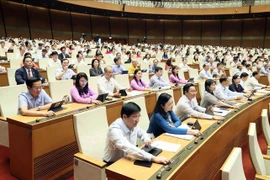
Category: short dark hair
<point>62,48</point>
<point>130,108</point>
<point>116,59</point>
<point>54,53</point>
<point>158,69</point>
<point>26,57</point>
<point>44,50</point>
<point>65,60</point>
<point>162,100</point>
<point>218,64</point>
<point>254,73</point>
<point>248,65</point>
<point>30,81</point>
<point>187,87</point>
<point>244,74</point>
<point>223,78</point>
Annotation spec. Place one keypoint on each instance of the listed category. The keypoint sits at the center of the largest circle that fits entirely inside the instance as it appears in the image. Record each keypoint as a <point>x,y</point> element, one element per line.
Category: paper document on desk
<point>262,91</point>
<point>220,112</point>
<point>166,146</point>
<point>135,93</point>
<point>180,136</point>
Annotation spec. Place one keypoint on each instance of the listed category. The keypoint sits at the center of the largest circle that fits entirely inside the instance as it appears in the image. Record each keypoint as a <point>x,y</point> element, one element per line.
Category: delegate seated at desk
<point>81,92</point>
<point>27,71</point>
<point>209,99</point>
<point>222,91</point>
<point>253,83</point>
<point>157,78</point>
<point>64,73</point>
<point>187,105</point>
<point>164,120</point>
<point>107,83</point>
<point>35,99</point>
<point>122,137</point>
<point>205,73</point>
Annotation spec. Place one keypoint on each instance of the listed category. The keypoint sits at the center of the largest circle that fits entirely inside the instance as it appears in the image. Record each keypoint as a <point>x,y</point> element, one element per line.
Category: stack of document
<point>220,112</point>
<point>135,93</point>
<point>180,136</point>
<point>171,147</point>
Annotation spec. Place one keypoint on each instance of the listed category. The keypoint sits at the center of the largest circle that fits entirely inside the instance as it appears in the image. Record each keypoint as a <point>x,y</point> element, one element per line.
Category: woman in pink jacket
<point>81,92</point>
<point>137,83</point>
<point>174,77</point>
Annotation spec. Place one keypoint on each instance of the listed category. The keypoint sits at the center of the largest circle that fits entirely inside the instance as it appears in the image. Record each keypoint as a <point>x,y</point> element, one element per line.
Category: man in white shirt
<point>79,61</point>
<point>253,83</point>
<point>219,71</point>
<point>42,55</point>
<point>187,105</point>
<point>20,56</point>
<point>2,46</point>
<point>205,74</point>
<point>122,137</point>
<point>265,69</point>
<point>184,65</point>
<point>222,91</point>
<point>107,83</point>
<point>248,70</point>
<point>238,71</point>
<point>244,76</point>
<point>64,73</point>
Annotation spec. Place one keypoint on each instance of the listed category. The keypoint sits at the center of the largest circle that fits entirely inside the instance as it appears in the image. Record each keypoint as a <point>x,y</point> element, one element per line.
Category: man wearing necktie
<point>27,71</point>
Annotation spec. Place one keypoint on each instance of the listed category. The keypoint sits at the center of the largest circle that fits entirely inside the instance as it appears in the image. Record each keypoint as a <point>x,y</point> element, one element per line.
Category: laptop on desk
<point>57,106</point>
<point>102,97</point>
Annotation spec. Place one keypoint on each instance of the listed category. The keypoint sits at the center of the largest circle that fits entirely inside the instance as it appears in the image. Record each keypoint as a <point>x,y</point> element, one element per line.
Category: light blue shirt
<point>158,80</point>
<point>27,100</point>
<point>152,69</point>
<point>264,70</point>
<point>118,69</point>
<point>68,74</point>
<point>222,92</point>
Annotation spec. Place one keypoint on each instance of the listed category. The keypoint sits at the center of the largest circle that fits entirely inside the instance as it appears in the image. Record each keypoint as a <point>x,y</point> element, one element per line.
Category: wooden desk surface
<point>125,166</point>
<point>5,64</point>
<point>208,156</point>
<point>264,79</point>
<point>71,108</point>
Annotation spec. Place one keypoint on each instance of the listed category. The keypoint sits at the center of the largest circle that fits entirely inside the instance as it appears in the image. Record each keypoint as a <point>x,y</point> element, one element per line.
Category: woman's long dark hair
<point>134,77</point>
<point>77,83</point>
<point>207,85</point>
<point>93,61</point>
<point>162,100</point>
<point>175,74</point>
<point>234,78</point>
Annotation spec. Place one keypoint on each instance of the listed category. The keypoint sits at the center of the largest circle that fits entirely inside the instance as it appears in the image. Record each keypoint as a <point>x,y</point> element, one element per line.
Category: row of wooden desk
<point>204,159</point>
<point>43,148</point>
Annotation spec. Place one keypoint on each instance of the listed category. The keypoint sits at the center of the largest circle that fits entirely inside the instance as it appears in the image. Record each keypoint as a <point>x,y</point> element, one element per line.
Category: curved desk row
<point>43,148</point>
<point>200,160</point>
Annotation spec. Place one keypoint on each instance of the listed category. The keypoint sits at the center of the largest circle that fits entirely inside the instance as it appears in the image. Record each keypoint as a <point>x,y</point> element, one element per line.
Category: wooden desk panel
<point>194,66</point>
<point>5,64</point>
<point>3,79</point>
<point>264,80</point>
<point>186,75</point>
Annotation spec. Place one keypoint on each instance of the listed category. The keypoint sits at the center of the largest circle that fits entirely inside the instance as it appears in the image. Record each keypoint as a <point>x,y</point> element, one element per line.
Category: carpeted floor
<point>249,170</point>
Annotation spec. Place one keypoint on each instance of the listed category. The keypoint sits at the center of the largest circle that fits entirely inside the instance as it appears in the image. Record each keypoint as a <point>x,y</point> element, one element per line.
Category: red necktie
<point>29,73</point>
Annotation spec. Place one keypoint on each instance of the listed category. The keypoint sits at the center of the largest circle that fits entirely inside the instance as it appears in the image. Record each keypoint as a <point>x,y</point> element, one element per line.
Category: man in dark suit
<point>27,71</point>
<point>63,54</point>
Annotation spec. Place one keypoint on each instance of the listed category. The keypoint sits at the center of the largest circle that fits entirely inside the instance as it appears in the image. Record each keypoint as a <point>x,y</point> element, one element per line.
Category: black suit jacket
<point>21,75</point>
<point>61,57</point>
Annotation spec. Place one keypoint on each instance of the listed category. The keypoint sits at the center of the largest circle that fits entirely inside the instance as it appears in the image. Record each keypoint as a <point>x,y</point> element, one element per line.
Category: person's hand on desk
<point>148,89</point>
<point>215,117</point>
<point>129,89</point>
<point>238,97</point>
<point>161,160</point>
<point>147,142</point>
<point>194,132</point>
<point>117,94</point>
<point>49,113</point>
<point>97,102</point>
